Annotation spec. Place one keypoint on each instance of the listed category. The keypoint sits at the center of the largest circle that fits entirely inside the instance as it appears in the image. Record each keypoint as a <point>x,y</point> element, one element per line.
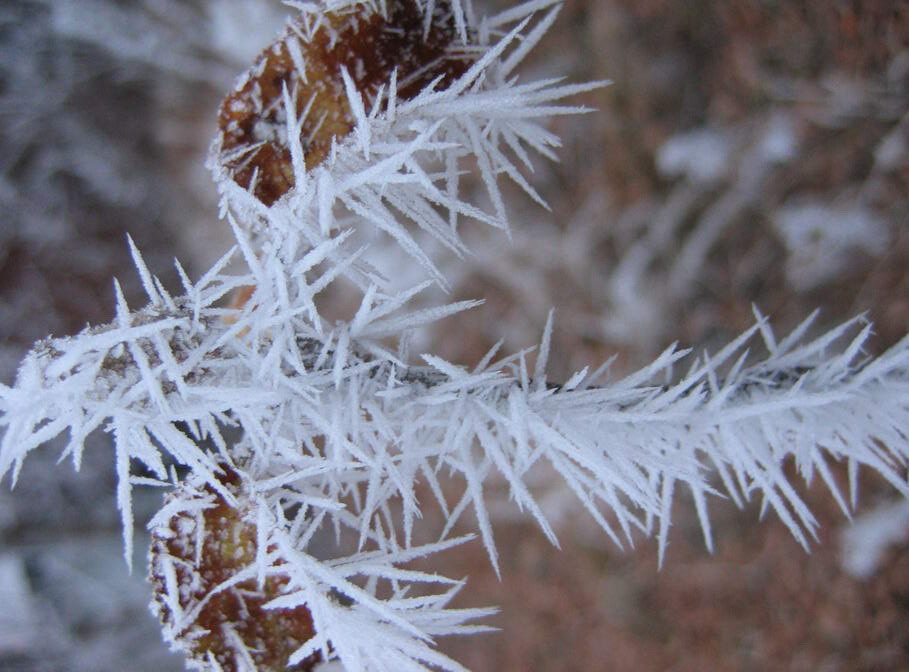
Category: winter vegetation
<point>312,442</point>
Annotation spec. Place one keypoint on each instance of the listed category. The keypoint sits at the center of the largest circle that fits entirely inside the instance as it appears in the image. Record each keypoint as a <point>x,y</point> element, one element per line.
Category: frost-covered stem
<point>181,335</point>
<point>332,426</point>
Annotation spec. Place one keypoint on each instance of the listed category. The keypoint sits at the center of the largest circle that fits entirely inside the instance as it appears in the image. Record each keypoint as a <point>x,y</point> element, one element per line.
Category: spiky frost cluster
<point>298,424</point>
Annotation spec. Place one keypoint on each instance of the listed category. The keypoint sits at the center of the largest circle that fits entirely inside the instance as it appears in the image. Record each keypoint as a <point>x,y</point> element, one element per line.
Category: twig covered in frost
<point>286,424</point>
<point>622,445</point>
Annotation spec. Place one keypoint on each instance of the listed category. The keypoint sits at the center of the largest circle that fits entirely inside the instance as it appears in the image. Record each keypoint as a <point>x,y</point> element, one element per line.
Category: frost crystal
<point>302,452</point>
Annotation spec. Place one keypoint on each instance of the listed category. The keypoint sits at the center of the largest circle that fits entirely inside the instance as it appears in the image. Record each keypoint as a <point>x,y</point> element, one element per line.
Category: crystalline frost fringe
<point>342,430</point>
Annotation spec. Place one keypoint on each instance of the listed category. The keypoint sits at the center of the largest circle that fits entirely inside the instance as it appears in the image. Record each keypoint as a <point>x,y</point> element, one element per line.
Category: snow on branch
<point>621,446</point>
<point>285,424</point>
<point>388,139</point>
<point>211,559</point>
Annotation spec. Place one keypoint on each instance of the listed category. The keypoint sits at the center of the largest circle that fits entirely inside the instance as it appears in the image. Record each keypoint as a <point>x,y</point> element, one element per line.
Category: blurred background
<point>748,153</point>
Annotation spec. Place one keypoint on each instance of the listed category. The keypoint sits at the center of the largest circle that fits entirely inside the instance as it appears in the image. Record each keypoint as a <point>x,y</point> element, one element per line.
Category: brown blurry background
<point>747,153</point>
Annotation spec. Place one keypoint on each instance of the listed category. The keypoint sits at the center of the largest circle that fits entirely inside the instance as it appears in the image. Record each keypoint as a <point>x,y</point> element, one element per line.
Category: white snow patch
<point>823,239</point>
<point>240,29</point>
<point>17,618</point>
<point>864,542</point>
<point>779,142</point>
<point>892,152</point>
<point>701,155</point>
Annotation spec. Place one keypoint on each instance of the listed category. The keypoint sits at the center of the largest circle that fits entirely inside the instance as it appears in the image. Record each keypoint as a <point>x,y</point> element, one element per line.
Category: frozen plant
<point>272,424</point>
